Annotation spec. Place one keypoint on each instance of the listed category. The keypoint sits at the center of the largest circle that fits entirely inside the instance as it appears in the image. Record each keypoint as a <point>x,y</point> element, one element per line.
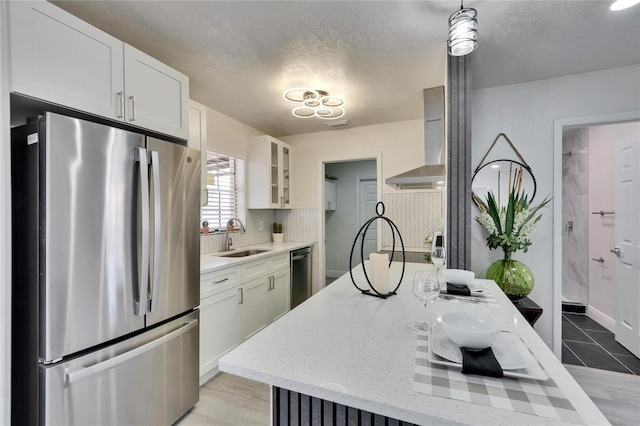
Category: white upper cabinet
<point>330,194</point>
<point>269,173</point>
<point>198,140</point>
<point>61,59</point>
<point>157,96</point>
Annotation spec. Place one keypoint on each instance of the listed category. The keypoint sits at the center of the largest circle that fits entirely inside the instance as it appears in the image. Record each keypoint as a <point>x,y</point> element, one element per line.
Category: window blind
<point>225,182</point>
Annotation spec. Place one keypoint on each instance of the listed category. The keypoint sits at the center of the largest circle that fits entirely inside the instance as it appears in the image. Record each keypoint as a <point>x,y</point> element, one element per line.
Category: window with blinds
<point>225,184</point>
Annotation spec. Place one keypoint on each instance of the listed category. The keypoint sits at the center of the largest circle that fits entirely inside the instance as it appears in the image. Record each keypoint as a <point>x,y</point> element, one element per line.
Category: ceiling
<point>241,55</point>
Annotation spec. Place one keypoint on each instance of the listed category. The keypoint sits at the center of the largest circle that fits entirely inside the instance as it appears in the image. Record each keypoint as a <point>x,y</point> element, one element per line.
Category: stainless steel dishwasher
<point>300,275</point>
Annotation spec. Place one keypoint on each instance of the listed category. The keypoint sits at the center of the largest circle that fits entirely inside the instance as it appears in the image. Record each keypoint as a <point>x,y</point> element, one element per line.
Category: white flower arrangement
<point>510,226</point>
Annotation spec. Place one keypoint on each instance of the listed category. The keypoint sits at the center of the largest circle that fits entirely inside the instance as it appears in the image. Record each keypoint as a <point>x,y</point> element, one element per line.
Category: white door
<point>367,200</point>
<point>627,237</point>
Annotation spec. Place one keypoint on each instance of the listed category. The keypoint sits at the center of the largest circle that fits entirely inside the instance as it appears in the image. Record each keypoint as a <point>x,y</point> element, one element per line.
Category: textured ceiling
<point>240,56</point>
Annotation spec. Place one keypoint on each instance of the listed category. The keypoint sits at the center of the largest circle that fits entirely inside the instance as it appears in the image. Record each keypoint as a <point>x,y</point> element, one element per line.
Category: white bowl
<point>459,277</point>
<point>469,330</point>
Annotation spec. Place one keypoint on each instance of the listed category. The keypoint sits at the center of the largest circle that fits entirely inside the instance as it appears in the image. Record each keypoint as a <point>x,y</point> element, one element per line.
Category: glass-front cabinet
<point>268,173</point>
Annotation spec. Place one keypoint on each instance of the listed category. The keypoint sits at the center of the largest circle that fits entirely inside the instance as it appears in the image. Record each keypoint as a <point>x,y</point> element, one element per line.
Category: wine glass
<point>438,255</point>
<point>426,288</point>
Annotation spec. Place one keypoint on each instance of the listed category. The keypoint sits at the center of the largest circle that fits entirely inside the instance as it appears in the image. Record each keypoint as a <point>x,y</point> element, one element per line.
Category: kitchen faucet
<point>228,243</point>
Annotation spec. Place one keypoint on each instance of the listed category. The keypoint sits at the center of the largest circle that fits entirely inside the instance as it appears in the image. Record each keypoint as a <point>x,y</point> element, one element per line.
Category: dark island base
<point>293,408</point>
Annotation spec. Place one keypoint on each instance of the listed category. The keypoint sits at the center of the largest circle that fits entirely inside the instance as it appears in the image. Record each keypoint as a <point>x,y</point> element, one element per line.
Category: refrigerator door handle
<point>71,377</point>
<point>157,234</point>
<point>140,306</point>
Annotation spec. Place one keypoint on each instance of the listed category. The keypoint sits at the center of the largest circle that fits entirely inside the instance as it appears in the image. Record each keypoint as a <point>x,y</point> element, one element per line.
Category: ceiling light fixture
<point>315,103</point>
<point>623,4</point>
<point>463,31</point>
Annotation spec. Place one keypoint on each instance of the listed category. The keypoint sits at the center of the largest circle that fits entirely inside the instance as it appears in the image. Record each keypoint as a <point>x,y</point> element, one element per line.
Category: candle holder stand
<point>394,229</point>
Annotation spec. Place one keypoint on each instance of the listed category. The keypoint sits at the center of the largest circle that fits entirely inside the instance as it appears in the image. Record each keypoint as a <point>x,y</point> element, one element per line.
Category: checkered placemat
<point>486,299</point>
<point>537,397</point>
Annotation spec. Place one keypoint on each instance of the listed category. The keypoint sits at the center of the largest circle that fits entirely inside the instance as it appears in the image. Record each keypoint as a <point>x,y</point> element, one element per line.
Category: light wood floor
<point>232,400</point>
<point>617,395</point>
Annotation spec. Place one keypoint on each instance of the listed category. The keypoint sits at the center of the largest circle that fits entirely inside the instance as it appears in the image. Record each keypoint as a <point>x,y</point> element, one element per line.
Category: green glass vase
<point>513,277</point>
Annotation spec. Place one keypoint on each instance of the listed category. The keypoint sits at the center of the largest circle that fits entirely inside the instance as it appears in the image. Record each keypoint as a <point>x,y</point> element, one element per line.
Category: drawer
<point>214,282</point>
<point>279,261</point>
<point>253,270</point>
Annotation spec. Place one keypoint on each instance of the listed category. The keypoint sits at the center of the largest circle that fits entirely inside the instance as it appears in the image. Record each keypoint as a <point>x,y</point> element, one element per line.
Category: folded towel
<point>480,361</point>
<point>459,290</point>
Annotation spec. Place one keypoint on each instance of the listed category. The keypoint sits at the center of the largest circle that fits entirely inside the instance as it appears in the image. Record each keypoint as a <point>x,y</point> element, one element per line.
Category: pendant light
<point>463,31</point>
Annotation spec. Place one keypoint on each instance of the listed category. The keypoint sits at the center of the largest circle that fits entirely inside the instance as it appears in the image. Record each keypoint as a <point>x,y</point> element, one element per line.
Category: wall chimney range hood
<point>432,174</point>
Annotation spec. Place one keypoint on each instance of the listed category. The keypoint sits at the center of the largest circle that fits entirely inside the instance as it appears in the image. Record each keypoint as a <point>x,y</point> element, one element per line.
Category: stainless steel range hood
<point>432,174</point>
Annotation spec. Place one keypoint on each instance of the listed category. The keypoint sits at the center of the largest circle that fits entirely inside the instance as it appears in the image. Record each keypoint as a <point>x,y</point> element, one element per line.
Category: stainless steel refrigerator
<point>105,275</point>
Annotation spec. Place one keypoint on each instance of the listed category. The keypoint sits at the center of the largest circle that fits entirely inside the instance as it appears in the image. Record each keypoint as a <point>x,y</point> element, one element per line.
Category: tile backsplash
<point>212,243</point>
<point>416,214</point>
<point>298,225</point>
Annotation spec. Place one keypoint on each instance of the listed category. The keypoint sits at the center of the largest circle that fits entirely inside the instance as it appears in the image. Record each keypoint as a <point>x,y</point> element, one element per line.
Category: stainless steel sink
<point>242,253</point>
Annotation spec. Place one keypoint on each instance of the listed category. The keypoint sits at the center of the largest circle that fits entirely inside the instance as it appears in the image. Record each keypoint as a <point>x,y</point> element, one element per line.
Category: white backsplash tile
<point>299,224</point>
<point>416,214</point>
<point>215,242</point>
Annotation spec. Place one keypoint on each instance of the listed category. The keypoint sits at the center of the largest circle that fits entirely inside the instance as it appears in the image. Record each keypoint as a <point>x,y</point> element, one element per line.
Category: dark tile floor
<point>587,343</point>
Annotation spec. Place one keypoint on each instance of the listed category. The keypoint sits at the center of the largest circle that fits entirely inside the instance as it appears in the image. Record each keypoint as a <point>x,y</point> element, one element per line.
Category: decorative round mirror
<point>498,176</point>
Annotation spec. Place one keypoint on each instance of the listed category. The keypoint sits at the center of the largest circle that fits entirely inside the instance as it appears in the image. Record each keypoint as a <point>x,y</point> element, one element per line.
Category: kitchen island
<point>359,352</point>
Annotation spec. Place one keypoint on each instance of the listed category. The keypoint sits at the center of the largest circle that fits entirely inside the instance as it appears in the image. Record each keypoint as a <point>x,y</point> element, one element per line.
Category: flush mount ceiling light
<point>463,31</point>
<point>623,4</point>
<point>315,103</point>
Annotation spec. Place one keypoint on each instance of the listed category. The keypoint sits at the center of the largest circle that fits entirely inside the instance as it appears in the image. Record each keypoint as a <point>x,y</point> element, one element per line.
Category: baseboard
<point>332,273</point>
<point>209,375</point>
<point>574,308</point>
<point>601,318</point>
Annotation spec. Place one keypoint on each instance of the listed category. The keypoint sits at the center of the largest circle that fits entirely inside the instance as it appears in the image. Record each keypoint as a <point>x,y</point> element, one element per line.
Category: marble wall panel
<point>575,205</point>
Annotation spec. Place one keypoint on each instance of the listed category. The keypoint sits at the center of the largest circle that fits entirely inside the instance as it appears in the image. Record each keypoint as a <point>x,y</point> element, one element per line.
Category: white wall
<point>400,144</point>
<point>526,113</point>
<point>342,224</point>
<point>227,135</point>
<point>602,276</point>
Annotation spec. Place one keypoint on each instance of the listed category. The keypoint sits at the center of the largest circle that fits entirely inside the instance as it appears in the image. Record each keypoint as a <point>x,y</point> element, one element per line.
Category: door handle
<point>133,108</point>
<point>121,102</point>
<point>241,291</point>
<point>157,231</point>
<point>140,307</point>
<point>112,362</point>
<point>615,251</point>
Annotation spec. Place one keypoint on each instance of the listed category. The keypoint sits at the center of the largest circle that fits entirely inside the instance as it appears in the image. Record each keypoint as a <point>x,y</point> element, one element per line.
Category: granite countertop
<point>213,261</point>
<point>357,350</point>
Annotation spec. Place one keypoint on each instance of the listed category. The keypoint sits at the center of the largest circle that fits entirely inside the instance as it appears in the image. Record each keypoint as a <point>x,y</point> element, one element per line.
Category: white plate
<point>513,356</point>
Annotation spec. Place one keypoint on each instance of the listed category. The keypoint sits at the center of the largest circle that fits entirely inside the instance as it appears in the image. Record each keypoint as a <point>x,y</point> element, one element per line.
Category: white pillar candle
<point>379,272</point>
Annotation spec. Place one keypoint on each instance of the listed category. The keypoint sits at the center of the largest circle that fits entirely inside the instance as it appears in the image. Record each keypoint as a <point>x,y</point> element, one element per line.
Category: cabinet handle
<point>221,281</point>
<point>121,101</point>
<point>241,296</point>
<point>273,282</point>
<point>133,108</point>
<point>281,201</point>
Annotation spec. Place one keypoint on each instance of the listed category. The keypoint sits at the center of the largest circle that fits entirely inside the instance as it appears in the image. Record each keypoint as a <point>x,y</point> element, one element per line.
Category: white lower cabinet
<point>219,330</point>
<point>279,290</point>
<point>236,303</point>
<point>254,310</point>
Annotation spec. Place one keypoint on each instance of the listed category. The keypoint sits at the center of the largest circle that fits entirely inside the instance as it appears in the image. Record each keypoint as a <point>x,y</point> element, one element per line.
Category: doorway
<point>593,302</point>
<point>356,193</point>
